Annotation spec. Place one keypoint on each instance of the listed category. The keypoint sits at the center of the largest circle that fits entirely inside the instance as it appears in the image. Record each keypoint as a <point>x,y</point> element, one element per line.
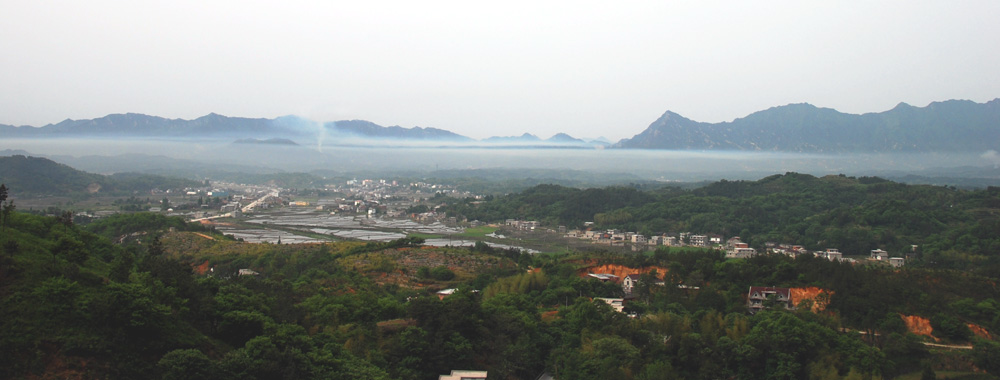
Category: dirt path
<point>969,347</point>
<point>204,236</point>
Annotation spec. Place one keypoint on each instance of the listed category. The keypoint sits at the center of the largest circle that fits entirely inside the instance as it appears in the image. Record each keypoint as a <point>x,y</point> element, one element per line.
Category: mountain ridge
<point>951,125</point>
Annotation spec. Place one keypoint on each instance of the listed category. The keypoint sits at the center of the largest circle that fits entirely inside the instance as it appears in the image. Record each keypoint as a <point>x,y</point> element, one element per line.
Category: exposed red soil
<point>980,331</point>
<point>811,293</point>
<point>621,271</point>
<point>918,325</point>
<point>201,269</point>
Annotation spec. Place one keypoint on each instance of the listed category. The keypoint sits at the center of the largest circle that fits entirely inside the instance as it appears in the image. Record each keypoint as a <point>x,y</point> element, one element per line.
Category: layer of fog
<point>159,156</point>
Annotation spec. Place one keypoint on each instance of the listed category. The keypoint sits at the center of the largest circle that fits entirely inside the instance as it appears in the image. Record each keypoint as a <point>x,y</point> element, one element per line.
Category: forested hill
<point>855,215</point>
<point>953,126</point>
<point>36,176</point>
<point>168,303</point>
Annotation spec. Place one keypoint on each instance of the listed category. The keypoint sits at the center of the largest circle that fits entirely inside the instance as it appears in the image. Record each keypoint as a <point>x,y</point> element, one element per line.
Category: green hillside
<point>167,302</point>
<point>36,176</point>
<point>951,227</point>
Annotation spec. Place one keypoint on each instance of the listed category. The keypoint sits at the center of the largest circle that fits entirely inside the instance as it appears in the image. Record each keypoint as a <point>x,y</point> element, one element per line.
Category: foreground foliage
<point>171,305</point>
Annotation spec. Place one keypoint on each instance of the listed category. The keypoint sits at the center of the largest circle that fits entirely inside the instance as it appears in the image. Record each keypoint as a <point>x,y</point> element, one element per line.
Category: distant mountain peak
<point>367,129</point>
<point>526,137</point>
<point>214,125</point>
<point>952,125</point>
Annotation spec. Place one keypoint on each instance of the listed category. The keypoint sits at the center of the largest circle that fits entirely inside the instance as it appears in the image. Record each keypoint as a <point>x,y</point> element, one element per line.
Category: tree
<point>3,198</point>
<point>6,208</point>
<point>121,266</point>
<point>928,373</point>
<point>442,273</point>
<point>155,247</point>
<point>187,364</point>
<point>950,327</point>
<point>71,249</point>
<point>781,346</point>
<point>66,218</point>
<point>423,272</point>
<point>986,355</point>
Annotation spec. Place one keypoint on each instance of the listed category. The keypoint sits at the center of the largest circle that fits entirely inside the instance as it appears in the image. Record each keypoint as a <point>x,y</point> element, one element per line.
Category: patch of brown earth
<point>549,316</point>
<point>216,223</point>
<point>621,271</point>
<point>819,297</point>
<point>201,269</point>
<point>980,331</point>
<point>918,325</point>
<point>204,236</point>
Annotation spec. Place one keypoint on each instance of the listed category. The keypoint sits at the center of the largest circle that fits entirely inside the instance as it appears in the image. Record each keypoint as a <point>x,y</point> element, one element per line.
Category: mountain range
<point>246,130</point>
<point>953,125</point>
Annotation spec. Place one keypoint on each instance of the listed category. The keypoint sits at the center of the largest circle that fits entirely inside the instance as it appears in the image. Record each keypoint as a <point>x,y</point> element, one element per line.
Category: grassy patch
<point>422,235</point>
<point>555,254</point>
<point>477,232</point>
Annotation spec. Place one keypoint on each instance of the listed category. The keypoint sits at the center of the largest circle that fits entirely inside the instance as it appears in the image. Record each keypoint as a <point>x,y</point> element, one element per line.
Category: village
<point>734,247</point>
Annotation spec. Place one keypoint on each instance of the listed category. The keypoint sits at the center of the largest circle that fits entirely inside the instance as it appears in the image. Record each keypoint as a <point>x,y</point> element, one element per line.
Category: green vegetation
<point>35,176</point>
<point>422,235</point>
<point>952,228</point>
<point>477,232</point>
<point>168,301</point>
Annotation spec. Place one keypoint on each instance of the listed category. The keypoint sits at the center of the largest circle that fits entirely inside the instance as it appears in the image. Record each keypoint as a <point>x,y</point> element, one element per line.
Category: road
<point>969,347</point>
<point>274,193</point>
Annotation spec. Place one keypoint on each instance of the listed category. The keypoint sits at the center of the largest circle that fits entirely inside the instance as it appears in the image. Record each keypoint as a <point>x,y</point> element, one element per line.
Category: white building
<point>878,254</point>
<point>618,304</point>
<point>897,262</point>
<point>464,375</point>
<point>741,253</point>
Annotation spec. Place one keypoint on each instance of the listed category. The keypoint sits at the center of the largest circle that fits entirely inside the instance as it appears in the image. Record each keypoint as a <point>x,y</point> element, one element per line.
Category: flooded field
<point>469,243</point>
<point>268,236</point>
<point>310,226</point>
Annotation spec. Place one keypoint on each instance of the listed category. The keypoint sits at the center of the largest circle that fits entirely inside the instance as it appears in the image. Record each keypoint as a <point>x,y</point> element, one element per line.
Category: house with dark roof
<point>763,297</point>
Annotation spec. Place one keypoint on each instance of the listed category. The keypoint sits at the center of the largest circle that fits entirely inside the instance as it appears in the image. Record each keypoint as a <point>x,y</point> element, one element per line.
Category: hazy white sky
<point>587,68</point>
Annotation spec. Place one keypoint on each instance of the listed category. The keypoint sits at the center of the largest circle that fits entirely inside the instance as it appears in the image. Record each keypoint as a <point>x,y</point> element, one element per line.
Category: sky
<point>480,69</point>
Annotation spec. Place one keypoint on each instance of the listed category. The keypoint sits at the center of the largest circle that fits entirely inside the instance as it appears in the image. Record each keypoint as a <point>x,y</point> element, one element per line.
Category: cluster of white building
<point>616,237</point>
<point>521,225</point>
<point>734,246</point>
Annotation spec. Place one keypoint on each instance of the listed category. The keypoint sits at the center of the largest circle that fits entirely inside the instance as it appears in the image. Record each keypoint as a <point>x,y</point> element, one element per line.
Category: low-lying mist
<point>159,156</point>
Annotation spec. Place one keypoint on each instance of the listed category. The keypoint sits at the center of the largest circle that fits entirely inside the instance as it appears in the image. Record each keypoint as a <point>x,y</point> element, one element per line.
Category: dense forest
<point>952,228</point>
<point>146,296</point>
